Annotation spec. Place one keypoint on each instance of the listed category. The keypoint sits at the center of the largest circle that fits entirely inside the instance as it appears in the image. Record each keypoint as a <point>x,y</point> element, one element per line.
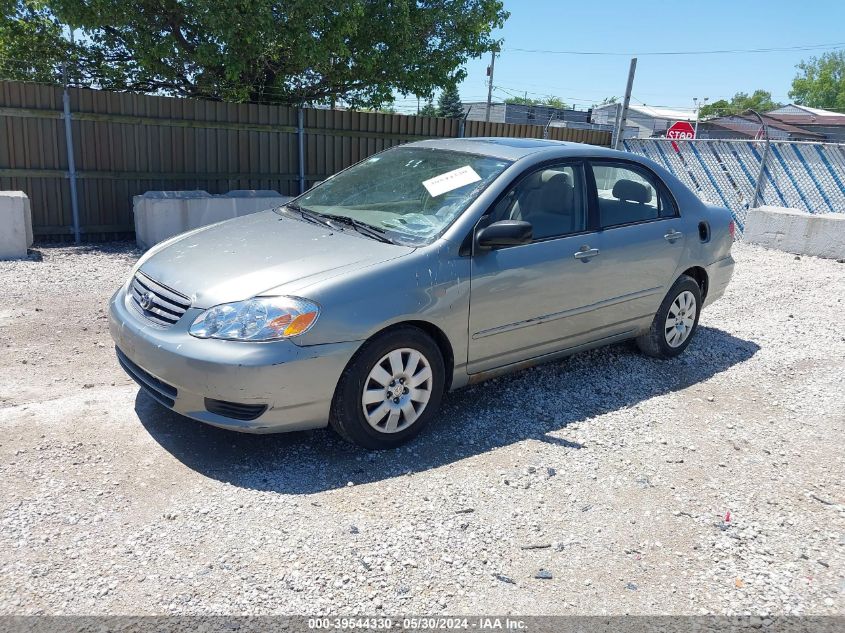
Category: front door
<point>534,299</point>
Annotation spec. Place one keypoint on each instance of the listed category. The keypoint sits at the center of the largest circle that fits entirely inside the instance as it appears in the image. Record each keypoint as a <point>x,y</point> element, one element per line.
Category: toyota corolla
<point>419,270</point>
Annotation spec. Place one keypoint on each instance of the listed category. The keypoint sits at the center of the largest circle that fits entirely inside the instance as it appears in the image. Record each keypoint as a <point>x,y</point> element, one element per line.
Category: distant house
<point>524,114</point>
<point>747,126</point>
<point>828,124</point>
<point>642,121</point>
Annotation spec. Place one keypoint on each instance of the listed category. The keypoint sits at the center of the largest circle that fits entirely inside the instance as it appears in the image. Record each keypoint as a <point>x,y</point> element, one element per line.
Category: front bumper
<point>183,372</point>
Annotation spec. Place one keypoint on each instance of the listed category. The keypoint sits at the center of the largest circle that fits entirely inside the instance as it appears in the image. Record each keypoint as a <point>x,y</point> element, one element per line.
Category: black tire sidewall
<point>347,412</point>
<point>684,283</point>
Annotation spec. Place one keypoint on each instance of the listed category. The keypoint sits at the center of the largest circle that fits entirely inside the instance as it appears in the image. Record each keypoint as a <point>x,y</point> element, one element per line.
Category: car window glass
<point>551,199</point>
<point>625,195</point>
<point>412,192</point>
<point>666,204</point>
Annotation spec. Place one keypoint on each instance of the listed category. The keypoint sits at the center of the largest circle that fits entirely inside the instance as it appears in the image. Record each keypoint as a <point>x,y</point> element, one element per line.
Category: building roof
<point>670,114</point>
<point>796,109</point>
<point>748,125</point>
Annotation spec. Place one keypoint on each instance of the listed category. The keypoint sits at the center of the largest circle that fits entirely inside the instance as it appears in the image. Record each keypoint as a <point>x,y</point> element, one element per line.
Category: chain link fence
<point>807,176</point>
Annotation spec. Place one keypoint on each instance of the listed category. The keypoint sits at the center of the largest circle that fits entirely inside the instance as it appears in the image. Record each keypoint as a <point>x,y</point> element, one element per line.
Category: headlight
<point>259,319</point>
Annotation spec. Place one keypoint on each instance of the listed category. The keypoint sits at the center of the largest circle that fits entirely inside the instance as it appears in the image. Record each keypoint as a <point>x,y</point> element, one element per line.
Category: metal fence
<point>808,176</point>
<point>105,147</point>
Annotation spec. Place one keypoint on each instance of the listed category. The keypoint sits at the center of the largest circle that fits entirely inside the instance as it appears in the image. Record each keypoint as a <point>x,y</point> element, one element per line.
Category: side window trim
<point>656,182</point>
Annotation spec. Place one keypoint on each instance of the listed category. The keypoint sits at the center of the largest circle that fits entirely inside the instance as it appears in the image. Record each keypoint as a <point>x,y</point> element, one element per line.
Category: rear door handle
<point>586,254</point>
<point>671,236</point>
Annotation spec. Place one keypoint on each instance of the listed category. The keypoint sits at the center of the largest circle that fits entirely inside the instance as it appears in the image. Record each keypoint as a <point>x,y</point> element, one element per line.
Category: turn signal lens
<point>732,228</point>
<point>300,324</point>
<point>258,319</point>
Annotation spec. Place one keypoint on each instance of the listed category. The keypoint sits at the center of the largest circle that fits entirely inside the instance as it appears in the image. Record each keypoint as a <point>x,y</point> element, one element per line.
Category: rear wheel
<point>390,390</point>
<point>675,322</point>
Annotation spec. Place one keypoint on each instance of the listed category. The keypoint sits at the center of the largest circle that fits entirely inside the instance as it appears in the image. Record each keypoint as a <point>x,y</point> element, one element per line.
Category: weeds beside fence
<point>808,176</point>
<point>125,144</point>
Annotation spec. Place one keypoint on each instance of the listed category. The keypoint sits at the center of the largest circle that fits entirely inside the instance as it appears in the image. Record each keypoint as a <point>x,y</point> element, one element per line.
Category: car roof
<point>516,148</point>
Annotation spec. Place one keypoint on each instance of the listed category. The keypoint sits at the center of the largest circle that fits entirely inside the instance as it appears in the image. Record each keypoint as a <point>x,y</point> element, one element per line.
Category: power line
<point>521,93</point>
<point>774,49</point>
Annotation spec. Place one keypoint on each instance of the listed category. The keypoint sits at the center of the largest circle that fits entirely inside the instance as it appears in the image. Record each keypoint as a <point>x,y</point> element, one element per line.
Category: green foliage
<point>551,101</point>
<point>554,102</point>
<point>820,82</point>
<point>429,109</point>
<point>606,101</point>
<point>760,100</point>
<point>522,101</point>
<point>449,104</point>
<point>31,43</point>
<point>294,52</point>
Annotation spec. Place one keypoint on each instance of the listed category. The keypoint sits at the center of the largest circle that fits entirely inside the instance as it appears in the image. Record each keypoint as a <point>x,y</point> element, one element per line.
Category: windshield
<point>412,193</point>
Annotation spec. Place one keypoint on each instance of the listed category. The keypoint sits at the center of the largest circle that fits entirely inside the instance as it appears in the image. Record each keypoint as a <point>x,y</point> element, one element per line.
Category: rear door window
<point>627,195</point>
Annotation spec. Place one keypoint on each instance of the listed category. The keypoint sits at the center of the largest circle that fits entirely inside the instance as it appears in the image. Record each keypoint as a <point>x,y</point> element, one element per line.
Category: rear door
<point>641,238</point>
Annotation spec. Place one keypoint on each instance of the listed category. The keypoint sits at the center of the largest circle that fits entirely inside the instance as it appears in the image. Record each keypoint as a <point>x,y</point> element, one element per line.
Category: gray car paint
<point>492,312</point>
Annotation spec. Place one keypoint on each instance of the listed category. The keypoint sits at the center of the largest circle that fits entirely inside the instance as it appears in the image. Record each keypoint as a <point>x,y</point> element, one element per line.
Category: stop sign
<point>681,130</point>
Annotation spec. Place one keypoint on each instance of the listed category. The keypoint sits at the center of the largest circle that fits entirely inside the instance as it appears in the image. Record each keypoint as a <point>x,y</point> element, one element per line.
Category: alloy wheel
<point>681,319</point>
<point>397,390</point>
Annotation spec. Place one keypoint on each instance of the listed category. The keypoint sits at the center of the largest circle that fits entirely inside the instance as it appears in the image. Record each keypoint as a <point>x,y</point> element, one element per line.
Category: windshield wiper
<point>308,214</point>
<point>363,228</point>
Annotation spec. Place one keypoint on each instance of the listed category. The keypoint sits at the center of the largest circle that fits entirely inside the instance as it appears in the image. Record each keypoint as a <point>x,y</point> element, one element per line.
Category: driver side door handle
<point>587,253</point>
<point>673,235</point>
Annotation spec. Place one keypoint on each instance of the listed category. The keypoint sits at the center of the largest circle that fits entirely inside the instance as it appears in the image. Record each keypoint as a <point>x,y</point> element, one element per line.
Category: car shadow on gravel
<point>537,403</point>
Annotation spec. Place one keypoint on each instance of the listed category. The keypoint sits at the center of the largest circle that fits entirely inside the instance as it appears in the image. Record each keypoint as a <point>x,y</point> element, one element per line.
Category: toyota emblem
<point>146,300</point>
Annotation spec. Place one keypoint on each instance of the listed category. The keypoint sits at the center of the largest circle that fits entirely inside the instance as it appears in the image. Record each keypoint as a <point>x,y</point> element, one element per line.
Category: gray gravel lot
<point>605,483</point>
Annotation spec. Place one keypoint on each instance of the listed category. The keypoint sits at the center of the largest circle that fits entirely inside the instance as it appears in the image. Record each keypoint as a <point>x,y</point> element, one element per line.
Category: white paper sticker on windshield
<point>451,180</point>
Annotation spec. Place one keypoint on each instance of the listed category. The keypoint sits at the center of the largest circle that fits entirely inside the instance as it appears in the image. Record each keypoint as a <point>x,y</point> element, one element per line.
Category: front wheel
<point>390,390</point>
<point>675,322</point>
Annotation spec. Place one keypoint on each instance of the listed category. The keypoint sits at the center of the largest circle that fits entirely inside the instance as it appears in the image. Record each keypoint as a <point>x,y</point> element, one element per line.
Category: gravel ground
<point>606,483</point>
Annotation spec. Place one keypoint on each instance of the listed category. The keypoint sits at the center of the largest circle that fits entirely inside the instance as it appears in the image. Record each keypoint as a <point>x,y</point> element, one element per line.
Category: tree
<point>554,102</point>
<point>294,52</point>
<point>521,101</point>
<point>429,109</point>
<point>821,82</point>
<point>31,43</point>
<point>760,100</point>
<point>449,104</point>
<point>551,101</point>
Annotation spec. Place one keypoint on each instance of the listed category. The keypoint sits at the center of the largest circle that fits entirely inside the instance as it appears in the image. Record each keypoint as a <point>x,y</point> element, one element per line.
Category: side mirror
<point>504,233</point>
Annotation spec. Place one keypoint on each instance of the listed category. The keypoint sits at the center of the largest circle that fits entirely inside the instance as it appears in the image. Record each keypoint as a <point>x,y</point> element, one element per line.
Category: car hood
<point>251,255</point>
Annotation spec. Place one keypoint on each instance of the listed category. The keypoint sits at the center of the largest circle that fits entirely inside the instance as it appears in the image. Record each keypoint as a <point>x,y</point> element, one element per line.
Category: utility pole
<point>620,121</point>
<point>698,113</point>
<point>71,163</point>
<point>490,84</point>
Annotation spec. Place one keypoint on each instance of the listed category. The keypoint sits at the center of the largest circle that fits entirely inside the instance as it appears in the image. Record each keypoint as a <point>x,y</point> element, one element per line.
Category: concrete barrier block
<point>163,214</point>
<point>796,231</point>
<point>15,224</point>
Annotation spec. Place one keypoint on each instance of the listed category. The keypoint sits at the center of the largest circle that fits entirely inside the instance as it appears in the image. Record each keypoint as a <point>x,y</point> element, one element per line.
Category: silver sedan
<point>419,270</point>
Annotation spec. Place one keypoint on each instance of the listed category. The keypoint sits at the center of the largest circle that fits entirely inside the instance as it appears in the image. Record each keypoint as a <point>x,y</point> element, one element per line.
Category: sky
<point>648,26</point>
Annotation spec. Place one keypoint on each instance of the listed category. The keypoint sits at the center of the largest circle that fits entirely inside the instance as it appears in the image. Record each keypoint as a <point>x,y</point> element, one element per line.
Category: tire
<point>403,373</point>
<point>664,341</point>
